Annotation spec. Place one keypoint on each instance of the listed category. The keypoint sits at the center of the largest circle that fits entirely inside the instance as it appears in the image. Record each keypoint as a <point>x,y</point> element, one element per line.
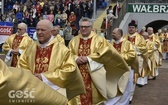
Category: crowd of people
<point>59,12</point>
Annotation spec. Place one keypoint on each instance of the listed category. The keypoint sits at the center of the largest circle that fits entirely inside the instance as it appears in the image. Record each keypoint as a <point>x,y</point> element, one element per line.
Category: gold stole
<point>16,43</point>
<point>132,39</point>
<point>84,50</point>
<point>42,59</point>
<point>118,46</point>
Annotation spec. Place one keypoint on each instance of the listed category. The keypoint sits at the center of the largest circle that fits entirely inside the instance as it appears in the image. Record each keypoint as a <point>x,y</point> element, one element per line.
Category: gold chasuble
<point>150,54</point>
<point>126,49</point>
<point>158,52</point>
<point>140,47</point>
<point>165,42</point>
<point>60,39</point>
<point>103,83</point>
<point>16,42</point>
<point>56,63</point>
<point>32,90</point>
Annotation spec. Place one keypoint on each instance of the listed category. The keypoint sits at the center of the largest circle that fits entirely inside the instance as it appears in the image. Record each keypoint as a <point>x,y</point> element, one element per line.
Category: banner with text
<point>148,8</point>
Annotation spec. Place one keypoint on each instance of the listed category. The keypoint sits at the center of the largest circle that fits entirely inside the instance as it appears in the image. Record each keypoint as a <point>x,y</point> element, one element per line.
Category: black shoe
<point>130,102</point>
<point>154,78</point>
<point>139,85</point>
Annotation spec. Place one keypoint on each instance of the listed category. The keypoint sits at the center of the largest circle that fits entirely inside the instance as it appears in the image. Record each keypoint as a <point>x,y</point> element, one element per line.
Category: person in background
<point>72,20</point>
<point>55,33</point>
<point>67,33</point>
<point>143,31</point>
<point>103,27</point>
<point>157,52</point>
<point>15,44</point>
<point>165,43</point>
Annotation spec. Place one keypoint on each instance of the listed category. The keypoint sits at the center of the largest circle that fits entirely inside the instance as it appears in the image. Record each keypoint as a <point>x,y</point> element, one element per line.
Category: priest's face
<point>132,29</point>
<point>21,29</point>
<point>85,28</point>
<point>150,31</point>
<point>116,35</point>
<point>43,30</point>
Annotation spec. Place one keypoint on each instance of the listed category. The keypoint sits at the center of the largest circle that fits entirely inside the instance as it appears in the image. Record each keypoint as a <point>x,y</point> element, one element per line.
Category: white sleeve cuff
<point>45,80</point>
<point>8,57</point>
<point>20,51</point>
<point>94,65</point>
<point>137,50</point>
<point>155,48</point>
<point>9,52</point>
<point>76,58</point>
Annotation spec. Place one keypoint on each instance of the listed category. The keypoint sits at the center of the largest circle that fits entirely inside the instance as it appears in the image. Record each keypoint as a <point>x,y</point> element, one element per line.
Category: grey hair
<point>150,28</point>
<point>23,25</point>
<point>86,19</point>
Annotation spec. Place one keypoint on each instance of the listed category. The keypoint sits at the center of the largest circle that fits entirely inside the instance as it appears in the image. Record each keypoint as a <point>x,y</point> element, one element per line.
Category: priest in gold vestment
<point>157,51</point>
<point>126,49</point>
<point>140,47</point>
<point>52,62</point>
<point>164,37</point>
<point>150,54</point>
<point>55,33</point>
<point>15,44</point>
<point>104,71</point>
<point>20,87</point>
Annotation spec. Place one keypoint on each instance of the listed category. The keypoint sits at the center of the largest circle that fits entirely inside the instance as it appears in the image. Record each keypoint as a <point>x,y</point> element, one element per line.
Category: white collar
<point>45,44</point>
<point>118,41</point>
<point>84,38</point>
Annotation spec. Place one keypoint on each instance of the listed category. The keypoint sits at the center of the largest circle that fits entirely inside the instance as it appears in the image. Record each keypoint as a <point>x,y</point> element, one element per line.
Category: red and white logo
<point>6,30</point>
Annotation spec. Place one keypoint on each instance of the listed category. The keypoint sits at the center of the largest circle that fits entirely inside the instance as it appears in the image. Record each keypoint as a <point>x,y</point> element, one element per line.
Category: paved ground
<point>156,91</point>
<point>2,56</point>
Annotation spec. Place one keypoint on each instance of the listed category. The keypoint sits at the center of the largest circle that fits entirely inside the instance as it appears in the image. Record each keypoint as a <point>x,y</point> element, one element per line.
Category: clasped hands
<point>15,51</point>
<point>81,60</point>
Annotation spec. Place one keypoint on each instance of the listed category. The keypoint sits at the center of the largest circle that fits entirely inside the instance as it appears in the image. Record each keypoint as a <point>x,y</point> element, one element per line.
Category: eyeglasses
<point>20,29</point>
<point>84,26</point>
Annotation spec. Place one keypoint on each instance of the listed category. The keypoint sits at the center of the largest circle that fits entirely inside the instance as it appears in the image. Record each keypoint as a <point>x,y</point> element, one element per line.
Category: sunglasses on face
<point>20,29</point>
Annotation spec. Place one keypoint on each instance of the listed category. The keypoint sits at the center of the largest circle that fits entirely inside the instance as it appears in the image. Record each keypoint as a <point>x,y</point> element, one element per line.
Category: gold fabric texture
<point>16,42</point>
<point>20,87</point>
<point>110,80</point>
<point>62,69</point>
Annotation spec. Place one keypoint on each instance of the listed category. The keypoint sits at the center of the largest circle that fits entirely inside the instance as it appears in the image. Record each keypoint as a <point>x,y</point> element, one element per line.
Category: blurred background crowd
<point>59,12</point>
